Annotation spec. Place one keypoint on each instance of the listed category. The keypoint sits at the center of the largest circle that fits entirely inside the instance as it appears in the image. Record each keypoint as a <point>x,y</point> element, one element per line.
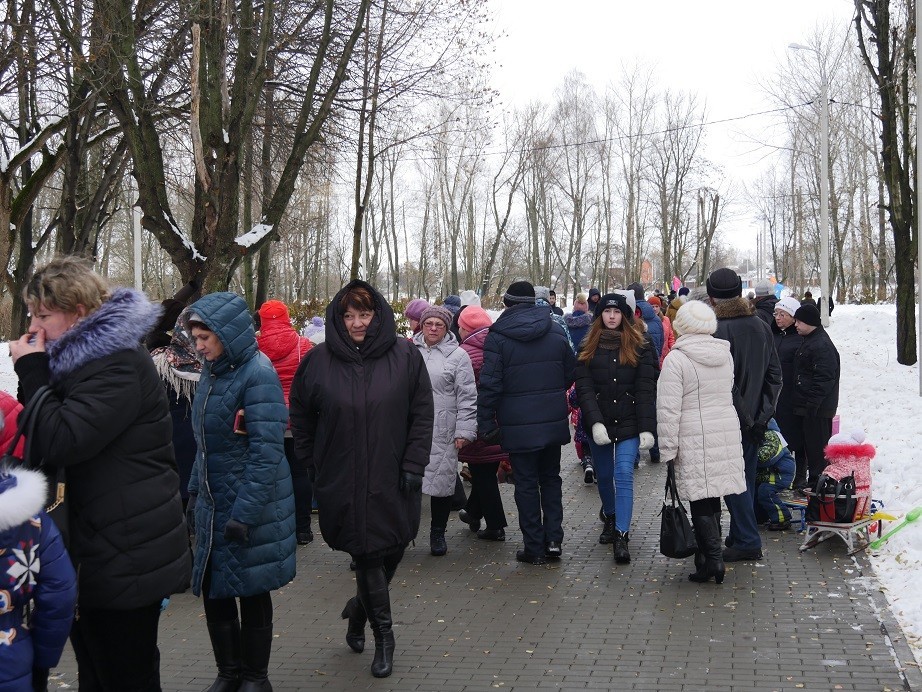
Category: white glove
<point>646,440</point>
<point>600,434</point>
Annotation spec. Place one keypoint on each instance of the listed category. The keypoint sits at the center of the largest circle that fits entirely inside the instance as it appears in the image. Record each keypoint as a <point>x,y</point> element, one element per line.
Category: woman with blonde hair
<point>616,384</point>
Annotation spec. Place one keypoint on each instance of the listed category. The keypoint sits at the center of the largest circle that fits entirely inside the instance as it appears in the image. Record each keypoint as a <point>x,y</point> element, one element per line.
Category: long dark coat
<point>816,376</point>
<point>360,415</point>
<point>787,342</point>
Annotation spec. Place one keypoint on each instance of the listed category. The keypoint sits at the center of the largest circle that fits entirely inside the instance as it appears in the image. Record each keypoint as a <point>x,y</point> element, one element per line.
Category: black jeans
<point>255,611</point>
<point>485,501</point>
<point>304,491</point>
<point>116,650</point>
<point>539,497</point>
<point>441,510</point>
<point>816,432</point>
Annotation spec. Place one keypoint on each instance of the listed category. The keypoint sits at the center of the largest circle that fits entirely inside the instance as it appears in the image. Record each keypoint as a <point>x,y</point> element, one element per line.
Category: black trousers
<point>485,501</point>
<point>705,507</point>
<point>538,497</point>
<point>441,509</point>
<point>304,491</point>
<point>255,611</point>
<point>816,432</point>
<point>116,650</point>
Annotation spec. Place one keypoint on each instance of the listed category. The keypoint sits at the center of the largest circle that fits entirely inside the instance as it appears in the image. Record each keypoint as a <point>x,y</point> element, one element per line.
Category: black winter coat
<point>527,369</point>
<point>108,425</point>
<point>787,343</point>
<point>360,415</point>
<point>765,309</point>
<point>816,376</point>
<point>756,370</point>
<point>621,396</point>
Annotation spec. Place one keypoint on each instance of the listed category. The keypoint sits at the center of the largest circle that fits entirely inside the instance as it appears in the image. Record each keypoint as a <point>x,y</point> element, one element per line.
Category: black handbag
<point>55,505</point>
<point>832,501</point>
<point>676,537</point>
<point>459,499</point>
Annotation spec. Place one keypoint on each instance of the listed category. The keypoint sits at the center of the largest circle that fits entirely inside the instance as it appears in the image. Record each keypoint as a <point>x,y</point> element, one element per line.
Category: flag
<point>779,287</point>
<point>676,283</point>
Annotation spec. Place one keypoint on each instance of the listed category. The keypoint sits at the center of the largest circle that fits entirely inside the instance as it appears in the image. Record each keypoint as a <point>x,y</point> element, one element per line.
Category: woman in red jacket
<point>278,339</point>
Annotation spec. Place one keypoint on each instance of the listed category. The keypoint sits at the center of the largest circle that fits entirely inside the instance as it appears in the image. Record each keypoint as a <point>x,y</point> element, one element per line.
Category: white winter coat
<point>455,396</point>
<point>697,423</point>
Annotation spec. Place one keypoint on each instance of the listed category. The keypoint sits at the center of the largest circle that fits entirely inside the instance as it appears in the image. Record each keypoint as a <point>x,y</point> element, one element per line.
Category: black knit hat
<point>724,283</point>
<point>638,290</point>
<point>519,292</point>
<point>613,300</point>
<point>808,314</point>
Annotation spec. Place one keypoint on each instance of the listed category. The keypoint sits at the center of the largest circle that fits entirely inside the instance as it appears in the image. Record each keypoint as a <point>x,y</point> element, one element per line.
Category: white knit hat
<point>469,297</point>
<point>789,305</point>
<point>695,317</point>
<point>631,300</point>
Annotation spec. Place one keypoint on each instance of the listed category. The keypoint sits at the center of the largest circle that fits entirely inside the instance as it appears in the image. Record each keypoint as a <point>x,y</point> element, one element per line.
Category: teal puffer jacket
<point>244,477</point>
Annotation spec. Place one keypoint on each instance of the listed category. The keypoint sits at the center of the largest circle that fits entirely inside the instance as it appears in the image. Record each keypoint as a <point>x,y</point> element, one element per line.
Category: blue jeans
<point>744,531</point>
<point>538,497</point>
<point>614,469</point>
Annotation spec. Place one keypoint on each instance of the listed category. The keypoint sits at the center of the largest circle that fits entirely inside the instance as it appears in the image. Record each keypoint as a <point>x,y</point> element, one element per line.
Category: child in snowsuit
<point>34,567</point>
<point>774,474</point>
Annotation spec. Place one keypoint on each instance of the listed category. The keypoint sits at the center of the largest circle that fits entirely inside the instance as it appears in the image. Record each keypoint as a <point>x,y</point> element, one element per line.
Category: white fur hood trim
<point>19,504</point>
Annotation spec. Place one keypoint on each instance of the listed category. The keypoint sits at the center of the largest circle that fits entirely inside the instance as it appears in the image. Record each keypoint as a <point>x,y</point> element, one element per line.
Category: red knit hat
<point>654,300</point>
<point>273,309</point>
<point>474,317</point>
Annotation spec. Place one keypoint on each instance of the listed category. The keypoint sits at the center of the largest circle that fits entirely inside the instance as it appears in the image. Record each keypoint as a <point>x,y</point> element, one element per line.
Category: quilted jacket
<point>244,477</point>
<point>698,425</point>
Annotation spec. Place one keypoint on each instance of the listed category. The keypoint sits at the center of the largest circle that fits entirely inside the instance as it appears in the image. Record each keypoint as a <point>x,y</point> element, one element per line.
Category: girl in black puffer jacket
<point>616,384</point>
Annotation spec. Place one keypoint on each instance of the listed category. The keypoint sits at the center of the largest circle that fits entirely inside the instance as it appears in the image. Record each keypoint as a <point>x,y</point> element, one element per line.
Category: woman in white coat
<point>699,431</point>
<point>455,395</point>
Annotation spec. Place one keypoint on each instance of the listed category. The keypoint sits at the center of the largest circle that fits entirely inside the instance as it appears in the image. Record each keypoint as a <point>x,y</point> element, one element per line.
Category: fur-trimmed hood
<point>734,307</point>
<point>119,324</point>
<point>22,498</point>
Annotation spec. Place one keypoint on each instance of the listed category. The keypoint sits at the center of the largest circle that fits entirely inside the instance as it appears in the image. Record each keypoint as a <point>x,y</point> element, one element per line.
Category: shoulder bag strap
<point>27,421</point>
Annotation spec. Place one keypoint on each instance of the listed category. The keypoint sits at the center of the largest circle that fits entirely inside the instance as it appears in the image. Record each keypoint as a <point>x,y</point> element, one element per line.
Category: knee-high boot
<point>707,536</point>
<point>225,641</point>
<point>375,597</point>
<point>257,648</point>
<point>355,632</point>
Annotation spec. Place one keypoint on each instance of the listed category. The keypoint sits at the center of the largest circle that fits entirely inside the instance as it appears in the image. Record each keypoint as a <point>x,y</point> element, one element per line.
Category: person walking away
<point>527,368</point>
<point>241,503</point>
<point>454,395</point>
<point>278,339</point>
<point>107,424</point>
<point>816,388</point>
<point>412,312</point>
<point>616,382</point>
<point>483,459</point>
<point>367,442</point>
<point>757,381</point>
<point>787,343</point>
<point>579,320</point>
<point>699,429</point>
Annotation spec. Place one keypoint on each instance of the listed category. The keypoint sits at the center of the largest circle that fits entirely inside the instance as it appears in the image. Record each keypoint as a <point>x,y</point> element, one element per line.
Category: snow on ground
<point>879,395</point>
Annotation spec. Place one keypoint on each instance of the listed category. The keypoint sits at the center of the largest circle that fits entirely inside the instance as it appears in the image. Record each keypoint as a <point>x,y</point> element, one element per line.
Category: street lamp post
<point>824,184</point>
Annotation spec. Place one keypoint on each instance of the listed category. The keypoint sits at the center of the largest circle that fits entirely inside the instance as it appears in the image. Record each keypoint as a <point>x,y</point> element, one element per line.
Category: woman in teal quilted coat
<point>241,503</point>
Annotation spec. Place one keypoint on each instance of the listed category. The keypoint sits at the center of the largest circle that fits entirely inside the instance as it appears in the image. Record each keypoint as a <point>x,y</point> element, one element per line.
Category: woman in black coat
<point>787,343</point>
<point>616,384</point>
<point>362,417</point>
<point>107,423</point>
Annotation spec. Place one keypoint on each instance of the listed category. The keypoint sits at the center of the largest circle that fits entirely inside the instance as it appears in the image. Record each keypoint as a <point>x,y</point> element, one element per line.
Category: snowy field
<point>881,396</point>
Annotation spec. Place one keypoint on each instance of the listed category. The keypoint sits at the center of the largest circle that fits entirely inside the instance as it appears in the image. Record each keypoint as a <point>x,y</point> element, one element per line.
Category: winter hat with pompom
<point>695,317</point>
<point>851,443</point>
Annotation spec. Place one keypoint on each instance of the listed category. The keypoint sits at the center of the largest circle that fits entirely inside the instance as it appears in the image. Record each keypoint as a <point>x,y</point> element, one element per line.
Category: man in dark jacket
<point>648,314</point>
<point>816,387</point>
<point>757,382</point>
<point>594,295</point>
<point>528,367</point>
<point>556,309</point>
<point>765,301</point>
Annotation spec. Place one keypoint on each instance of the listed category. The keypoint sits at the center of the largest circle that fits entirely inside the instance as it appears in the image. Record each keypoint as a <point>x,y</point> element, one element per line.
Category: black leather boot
<point>225,642</point>
<point>608,531</point>
<point>707,536</point>
<point>355,632</point>
<point>622,556</point>
<point>437,544</point>
<point>376,599</point>
<point>257,648</point>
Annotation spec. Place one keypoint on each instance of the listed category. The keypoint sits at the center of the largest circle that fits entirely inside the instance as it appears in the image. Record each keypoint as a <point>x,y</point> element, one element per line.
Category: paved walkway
<point>478,620</point>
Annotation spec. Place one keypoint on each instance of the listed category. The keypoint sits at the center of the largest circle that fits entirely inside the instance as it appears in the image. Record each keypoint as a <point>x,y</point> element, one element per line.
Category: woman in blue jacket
<point>241,503</point>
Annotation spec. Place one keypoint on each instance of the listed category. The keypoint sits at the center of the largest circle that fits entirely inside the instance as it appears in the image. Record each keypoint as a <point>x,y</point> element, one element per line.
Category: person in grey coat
<point>454,393</point>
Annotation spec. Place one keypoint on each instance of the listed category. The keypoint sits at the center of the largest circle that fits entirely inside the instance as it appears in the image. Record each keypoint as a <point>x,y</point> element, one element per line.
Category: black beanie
<point>724,283</point>
<point>613,300</point>
<point>808,314</point>
<point>638,290</point>
<point>519,292</point>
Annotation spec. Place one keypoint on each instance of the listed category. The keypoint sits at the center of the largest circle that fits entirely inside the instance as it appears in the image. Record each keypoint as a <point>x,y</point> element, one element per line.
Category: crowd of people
<point>194,446</point>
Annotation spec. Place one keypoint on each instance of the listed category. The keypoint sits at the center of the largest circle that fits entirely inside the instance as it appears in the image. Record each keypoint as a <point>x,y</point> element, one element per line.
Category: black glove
<point>410,482</point>
<point>236,532</point>
<point>39,679</point>
<point>190,513</point>
<point>492,437</point>
<point>757,433</point>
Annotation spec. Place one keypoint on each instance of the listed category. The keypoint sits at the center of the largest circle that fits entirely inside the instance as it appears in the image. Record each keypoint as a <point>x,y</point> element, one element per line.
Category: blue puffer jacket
<point>33,567</point>
<point>244,477</point>
<point>654,324</point>
<point>528,367</point>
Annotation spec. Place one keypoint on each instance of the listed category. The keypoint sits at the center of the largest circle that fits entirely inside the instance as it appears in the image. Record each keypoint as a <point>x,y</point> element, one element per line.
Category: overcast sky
<point>718,48</point>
